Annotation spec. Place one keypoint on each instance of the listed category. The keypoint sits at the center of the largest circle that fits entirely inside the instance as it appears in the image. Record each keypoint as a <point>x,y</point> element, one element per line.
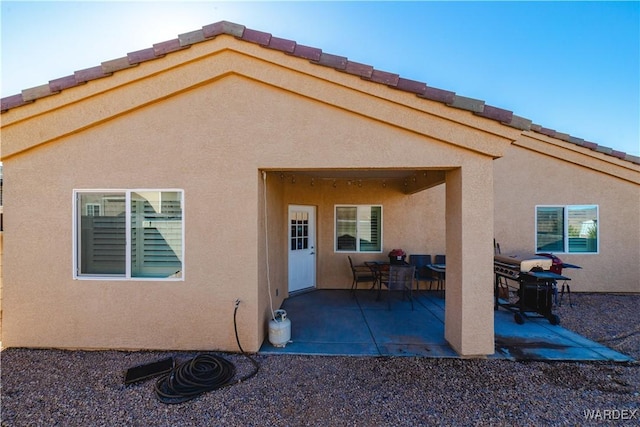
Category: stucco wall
<point>526,178</point>
<point>272,279</point>
<point>411,222</point>
<point>208,120</point>
<point>211,142</point>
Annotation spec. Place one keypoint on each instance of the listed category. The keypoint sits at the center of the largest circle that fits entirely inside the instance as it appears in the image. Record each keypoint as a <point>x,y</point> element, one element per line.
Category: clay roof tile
<point>12,101</point>
<point>332,61</point>
<point>63,83</point>
<point>495,113</point>
<point>37,92</point>
<point>384,77</point>
<point>142,55</point>
<point>283,45</point>
<point>465,103</point>
<point>439,95</point>
<point>223,27</point>
<point>312,54</point>
<point>168,46</point>
<point>192,37</point>
<point>358,69</point>
<point>258,37</point>
<point>306,52</point>
<point>89,74</point>
<point>412,86</point>
<point>116,65</point>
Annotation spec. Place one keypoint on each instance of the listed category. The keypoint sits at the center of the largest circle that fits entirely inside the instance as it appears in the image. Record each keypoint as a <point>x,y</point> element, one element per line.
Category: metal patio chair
<point>423,273</point>
<point>361,274</point>
<point>400,278</point>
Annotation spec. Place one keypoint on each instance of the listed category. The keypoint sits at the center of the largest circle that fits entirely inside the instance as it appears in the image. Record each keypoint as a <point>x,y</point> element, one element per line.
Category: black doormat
<point>149,370</point>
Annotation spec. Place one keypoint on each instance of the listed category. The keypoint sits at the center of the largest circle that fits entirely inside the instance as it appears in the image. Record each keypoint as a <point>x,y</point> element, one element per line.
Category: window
<point>358,228</point>
<point>568,229</point>
<point>93,209</point>
<point>128,234</point>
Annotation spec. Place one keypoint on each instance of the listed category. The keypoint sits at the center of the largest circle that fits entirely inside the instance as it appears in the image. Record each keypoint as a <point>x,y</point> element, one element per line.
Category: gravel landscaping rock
<point>86,388</point>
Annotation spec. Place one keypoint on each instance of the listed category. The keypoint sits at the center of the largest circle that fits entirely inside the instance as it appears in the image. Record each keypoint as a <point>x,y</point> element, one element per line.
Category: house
<point>229,164</point>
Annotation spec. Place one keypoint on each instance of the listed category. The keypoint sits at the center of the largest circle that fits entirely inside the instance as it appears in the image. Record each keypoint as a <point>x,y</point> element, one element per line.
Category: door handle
<point>312,253</point>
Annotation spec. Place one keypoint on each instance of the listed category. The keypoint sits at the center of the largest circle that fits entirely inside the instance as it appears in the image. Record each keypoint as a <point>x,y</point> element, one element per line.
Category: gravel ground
<point>80,388</point>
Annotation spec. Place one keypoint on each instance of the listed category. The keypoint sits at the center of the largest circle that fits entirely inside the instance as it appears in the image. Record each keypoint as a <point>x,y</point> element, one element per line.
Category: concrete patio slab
<point>336,322</point>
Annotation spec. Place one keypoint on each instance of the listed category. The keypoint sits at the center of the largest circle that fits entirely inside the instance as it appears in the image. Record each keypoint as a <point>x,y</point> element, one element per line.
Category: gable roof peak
<point>314,55</point>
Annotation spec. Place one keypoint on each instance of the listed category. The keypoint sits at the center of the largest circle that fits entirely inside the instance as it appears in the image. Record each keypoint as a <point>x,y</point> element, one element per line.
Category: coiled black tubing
<point>203,373</point>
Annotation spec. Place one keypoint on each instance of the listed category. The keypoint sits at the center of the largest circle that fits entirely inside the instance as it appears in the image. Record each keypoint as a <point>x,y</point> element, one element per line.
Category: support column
<point>469,312</point>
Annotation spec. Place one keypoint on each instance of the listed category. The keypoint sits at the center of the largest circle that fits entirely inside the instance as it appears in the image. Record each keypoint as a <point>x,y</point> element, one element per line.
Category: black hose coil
<point>205,372</point>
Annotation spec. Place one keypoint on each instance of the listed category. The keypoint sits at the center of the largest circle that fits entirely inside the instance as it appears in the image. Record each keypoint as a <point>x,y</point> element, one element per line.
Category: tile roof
<point>314,55</point>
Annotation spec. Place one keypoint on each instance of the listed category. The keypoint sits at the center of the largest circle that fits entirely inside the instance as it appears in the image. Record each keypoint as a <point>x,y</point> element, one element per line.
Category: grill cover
<point>525,262</point>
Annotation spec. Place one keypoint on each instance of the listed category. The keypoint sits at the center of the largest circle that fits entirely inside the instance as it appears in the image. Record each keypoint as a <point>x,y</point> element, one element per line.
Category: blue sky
<point>569,66</point>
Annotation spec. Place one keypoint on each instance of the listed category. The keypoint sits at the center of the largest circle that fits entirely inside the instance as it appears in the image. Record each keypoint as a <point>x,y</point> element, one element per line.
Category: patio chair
<point>441,276</point>
<point>378,270</point>
<point>361,274</point>
<point>400,278</point>
<point>423,273</point>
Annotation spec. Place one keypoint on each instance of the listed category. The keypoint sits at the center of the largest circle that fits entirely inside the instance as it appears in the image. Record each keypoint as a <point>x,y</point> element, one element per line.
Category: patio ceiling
<point>410,180</point>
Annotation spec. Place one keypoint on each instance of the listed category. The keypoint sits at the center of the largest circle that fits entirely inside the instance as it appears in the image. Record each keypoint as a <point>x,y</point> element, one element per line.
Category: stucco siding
<point>209,120</point>
<point>210,141</point>
<point>526,178</point>
<point>412,222</point>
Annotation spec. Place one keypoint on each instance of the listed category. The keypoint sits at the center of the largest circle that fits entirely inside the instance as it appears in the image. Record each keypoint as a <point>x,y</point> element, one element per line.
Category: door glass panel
<point>299,231</point>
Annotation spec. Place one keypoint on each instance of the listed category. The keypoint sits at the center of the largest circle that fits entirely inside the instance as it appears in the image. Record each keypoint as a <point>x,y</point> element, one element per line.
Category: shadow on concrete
<point>333,322</point>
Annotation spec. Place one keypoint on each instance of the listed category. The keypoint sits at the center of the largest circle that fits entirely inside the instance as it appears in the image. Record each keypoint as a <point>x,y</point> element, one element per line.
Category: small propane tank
<point>279,329</point>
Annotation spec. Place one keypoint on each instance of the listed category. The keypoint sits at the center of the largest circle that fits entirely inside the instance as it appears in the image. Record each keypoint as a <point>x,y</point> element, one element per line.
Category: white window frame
<point>358,207</point>
<point>565,231</point>
<point>127,275</point>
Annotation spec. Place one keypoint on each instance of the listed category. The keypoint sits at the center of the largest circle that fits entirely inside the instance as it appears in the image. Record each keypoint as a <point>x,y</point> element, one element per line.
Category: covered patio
<point>420,210</point>
<point>333,322</point>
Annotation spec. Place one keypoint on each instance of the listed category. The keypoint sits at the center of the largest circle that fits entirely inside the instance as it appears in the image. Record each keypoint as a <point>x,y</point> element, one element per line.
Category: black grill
<point>534,283</point>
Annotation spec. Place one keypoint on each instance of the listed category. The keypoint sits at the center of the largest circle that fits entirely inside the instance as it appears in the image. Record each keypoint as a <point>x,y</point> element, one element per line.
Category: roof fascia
<point>479,134</point>
<point>315,56</point>
<point>579,155</point>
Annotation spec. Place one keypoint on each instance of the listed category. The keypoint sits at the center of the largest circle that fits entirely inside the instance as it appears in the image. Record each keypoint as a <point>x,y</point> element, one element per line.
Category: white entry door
<point>302,247</point>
